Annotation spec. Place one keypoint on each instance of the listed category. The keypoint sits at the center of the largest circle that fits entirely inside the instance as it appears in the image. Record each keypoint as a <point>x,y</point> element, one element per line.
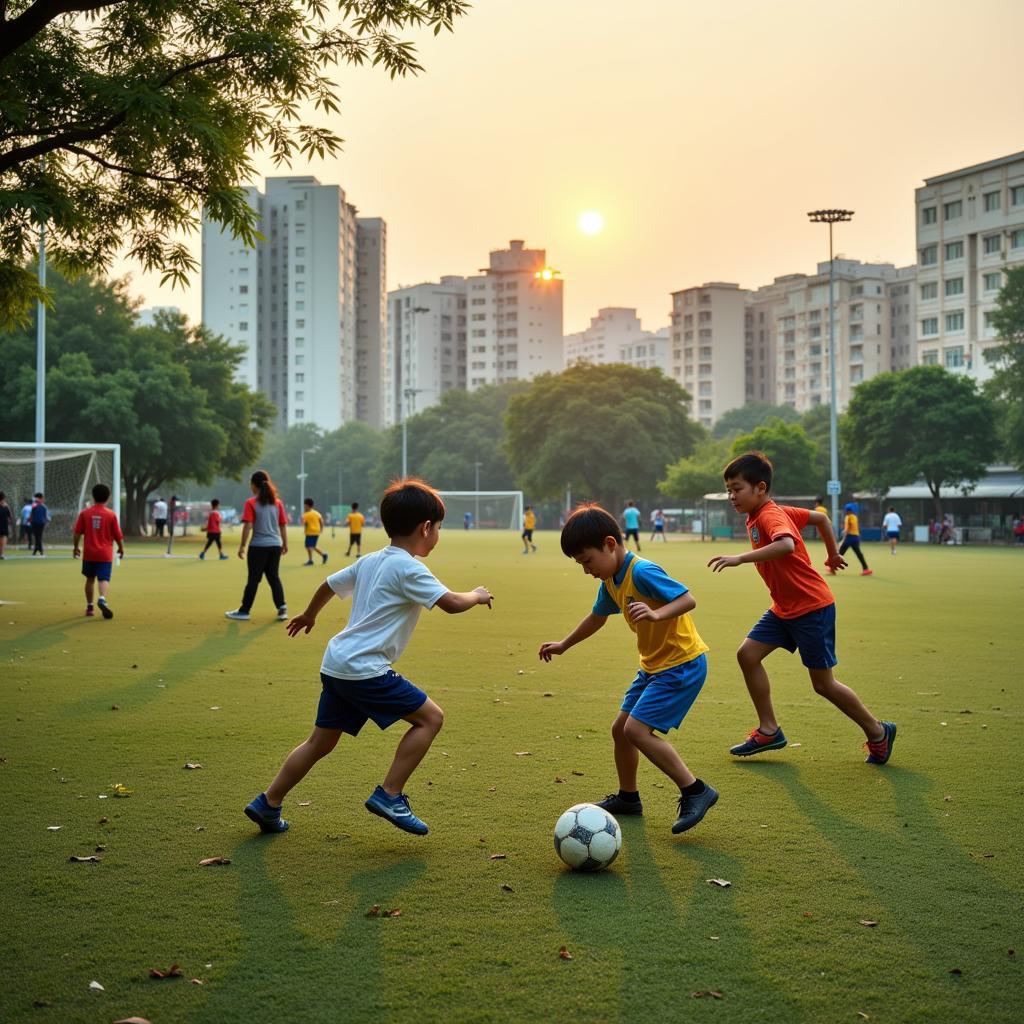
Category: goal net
<point>65,473</point>
<point>487,510</point>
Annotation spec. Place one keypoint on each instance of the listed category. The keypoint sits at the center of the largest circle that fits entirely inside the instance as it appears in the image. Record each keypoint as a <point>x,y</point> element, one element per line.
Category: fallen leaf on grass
<point>104,820</point>
<point>720,882</point>
<point>499,856</point>
<point>54,828</point>
<point>191,766</point>
<point>216,707</point>
<point>869,924</point>
<point>374,911</point>
<point>114,707</point>
<point>564,953</point>
<point>493,789</point>
<point>96,986</point>
<point>195,981</point>
<point>209,862</point>
<point>395,912</point>
<point>524,753</point>
<point>558,778</point>
<point>132,1020</point>
<point>714,993</point>
<point>549,695</point>
<point>863,1015</point>
<point>338,838</point>
<point>507,888</point>
<point>947,799</point>
<point>84,860</point>
<point>174,971</point>
<point>305,803</point>
<point>120,789</point>
<point>101,848</point>
<point>807,913</point>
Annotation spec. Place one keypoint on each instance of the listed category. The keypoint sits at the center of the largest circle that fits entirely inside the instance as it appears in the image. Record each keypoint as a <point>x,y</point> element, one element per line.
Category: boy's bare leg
<point>89,581</point>
<point>750,656</point>
<point>826,684</point>
<point>298,763</point>
<point>104,586</point>
<point>627,757</point>
<point>425,723</point>
<point>659,752</point>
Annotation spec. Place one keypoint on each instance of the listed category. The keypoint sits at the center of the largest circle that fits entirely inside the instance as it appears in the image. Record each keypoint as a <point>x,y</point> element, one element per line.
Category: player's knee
<point>619,728</point>
<point>823,685</point>
<point>746,657</point>
<point>434,718</point>
<point>635,731</point>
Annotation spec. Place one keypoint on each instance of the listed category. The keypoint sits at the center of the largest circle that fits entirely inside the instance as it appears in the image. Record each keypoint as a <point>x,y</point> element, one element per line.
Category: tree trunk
<point>137,491</point>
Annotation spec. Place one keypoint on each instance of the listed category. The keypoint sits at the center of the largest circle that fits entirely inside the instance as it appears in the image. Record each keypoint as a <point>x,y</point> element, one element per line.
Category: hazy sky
<point>702,131</point>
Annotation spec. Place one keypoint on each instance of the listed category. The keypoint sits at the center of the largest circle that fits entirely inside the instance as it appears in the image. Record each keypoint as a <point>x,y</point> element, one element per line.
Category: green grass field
<point>813,840</point>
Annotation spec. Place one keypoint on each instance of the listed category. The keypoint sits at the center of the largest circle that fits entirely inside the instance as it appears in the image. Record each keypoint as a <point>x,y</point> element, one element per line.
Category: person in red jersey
<point>99,527</point>
<point>213,522</point>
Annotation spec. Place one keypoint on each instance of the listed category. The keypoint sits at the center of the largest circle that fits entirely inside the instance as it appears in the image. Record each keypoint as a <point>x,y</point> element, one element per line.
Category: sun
<point>591,222</point>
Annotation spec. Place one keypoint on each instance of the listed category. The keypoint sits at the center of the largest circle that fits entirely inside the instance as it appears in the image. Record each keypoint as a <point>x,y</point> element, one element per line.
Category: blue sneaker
<point>202,556</point>
<point>693,808</point>
<point>397,810</point>
<point>268,818</point>
<point>757,742</point>
<point>879,752</point>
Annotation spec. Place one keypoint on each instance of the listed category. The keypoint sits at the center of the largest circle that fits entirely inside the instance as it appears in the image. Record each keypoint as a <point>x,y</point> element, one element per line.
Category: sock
<point>630,797</point>
<point>102,600</point>
<point>274,811</point>
<point>695,789</point>
<point>763,733</point>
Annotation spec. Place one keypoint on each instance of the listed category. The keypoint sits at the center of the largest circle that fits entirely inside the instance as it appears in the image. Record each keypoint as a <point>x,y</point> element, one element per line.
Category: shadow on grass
<point>282,973</point>
<point>662,938</point>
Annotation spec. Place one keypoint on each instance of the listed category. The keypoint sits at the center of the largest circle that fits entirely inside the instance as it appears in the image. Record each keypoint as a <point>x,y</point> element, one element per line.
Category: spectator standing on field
<point>213,531</point>
<point>6,522</point>
<point>631,519</point>
<point>159,517</point>
<point>25,524</point>
<point>891,523</point>
<point>1018,531</point>
<point>38,518</point>
<point>265,519</point>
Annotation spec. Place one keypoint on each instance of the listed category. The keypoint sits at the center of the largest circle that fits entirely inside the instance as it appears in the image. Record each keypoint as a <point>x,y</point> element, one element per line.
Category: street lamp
<point>476,519</point>
<point>408,393</point>
<point>831,217</point>
<point>302,477</point>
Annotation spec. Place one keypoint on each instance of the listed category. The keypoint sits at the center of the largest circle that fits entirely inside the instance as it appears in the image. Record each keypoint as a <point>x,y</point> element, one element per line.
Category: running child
<point>631,517</point>
<point>803,612</point>
<point>891,523</point>
<point>529,522</point>
<point>100,528</point>
<point>673,665</point>
<point>355,520</point>
<point>388,589</point>
<point>851,538</point>
<point>213,528</point>
<point>313,524</point>
<point>658,525</point>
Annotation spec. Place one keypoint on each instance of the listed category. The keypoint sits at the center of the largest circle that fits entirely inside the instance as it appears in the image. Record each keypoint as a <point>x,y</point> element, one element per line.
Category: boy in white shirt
<point>891,524</point>
<point>388,588</point>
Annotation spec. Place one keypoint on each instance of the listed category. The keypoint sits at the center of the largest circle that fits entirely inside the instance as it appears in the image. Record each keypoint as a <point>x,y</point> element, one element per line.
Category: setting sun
<point>591,222</point>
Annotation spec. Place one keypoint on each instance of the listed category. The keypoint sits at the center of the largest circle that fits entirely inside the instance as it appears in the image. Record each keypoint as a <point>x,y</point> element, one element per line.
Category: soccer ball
<point>587,837</point>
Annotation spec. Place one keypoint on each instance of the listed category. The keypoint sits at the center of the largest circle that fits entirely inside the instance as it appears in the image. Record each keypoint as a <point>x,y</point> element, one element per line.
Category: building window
<point>929,215</point>
<point>300,286</point>
<point>300,378</point>
<point>300,250</point>
<point>954,356</point>
<point>300,360</point>
<point>992,201</point>
<point>300,414</point>
<point>993,282</point>
<point>955,322</point>
<point>300,268</point>
<point>1017,239</point>
<point>954,250</point>
<point>300,396</point>
<point>929,256</point>
<point>954,286</point>
<point>243,289</point>
<point>930,357</point>
<point>950,211</point>
<point>300,324</point>
<point>987,315</point>
<point>990,244</point>
<point>929,290</point>
<point>1017,195</point>
<point>929,326</point>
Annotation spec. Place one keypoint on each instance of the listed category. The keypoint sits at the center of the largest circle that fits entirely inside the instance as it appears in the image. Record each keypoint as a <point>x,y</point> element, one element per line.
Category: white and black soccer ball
<point>587,837</point>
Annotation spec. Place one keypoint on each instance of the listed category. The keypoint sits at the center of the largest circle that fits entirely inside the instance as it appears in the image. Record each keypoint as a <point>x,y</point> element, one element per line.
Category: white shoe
<point>236,614</point>
<point>282,613</point>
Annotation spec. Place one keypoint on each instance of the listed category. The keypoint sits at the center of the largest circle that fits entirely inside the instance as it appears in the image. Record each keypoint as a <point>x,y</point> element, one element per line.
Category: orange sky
<point>703,131</point>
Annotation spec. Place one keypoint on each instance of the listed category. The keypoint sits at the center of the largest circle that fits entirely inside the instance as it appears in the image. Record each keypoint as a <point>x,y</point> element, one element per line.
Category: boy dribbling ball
<point>388,590</point>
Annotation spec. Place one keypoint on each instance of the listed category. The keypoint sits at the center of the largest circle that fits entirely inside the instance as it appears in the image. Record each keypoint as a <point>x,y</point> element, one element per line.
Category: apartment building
<point>902,293</point>
<point>371,318</point>
<point>602,341</point>
<point>649,351</point>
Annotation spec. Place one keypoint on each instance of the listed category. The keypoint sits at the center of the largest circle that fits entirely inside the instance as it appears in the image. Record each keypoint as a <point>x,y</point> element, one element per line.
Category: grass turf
<point>813,840</point>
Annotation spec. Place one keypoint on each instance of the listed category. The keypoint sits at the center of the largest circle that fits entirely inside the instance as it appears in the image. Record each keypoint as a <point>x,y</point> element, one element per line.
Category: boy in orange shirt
<point>803,611</point>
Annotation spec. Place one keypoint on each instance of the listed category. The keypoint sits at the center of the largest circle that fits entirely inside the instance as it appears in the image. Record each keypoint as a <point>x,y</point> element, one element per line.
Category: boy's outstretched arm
<point>777,549</point>
<point>307,619</point>
<point>588,627</point>
<point>824,525</point>
<point>680,606</point>
<point>454,603</point>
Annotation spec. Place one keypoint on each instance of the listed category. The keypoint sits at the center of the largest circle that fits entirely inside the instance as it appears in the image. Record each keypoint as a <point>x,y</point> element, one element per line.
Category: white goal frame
<point>478,496</point>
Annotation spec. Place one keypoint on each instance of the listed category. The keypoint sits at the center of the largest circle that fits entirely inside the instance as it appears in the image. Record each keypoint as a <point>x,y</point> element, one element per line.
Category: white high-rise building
<point>292,302</point>
<point>970,228</point>
<point>602,341</point>
<point>649,351</point>
<point>902,293</point>
<point>371,318</point>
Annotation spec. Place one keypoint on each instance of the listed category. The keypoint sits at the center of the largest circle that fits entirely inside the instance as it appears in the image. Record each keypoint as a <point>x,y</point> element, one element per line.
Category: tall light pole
<point>302,478</point>
<point>831,217</point>
<point>476,514</point>
<point>407,395</point>
<point>41,366</point>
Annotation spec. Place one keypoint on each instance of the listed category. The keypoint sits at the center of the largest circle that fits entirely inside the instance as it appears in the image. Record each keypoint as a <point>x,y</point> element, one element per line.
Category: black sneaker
<point>108,614</point>
<point>693,808</point>
<point>615,805</point>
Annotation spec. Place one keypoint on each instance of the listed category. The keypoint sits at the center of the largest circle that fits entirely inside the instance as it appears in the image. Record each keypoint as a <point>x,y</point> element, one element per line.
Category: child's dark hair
<point>587,527</point>
<point>101,494</point>
<point>308,502</point>
<point>215,503</point>
<point>267,491</point>
<point>407,504</point>
<point>753,467</point>
<point>355,505</point>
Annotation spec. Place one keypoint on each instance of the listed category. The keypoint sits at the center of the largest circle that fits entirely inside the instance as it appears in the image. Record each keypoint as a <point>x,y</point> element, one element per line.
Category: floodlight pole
<point>476,515</point>
<point>408,393</point>
<point>41,366</point>
<point>831,217</point>
<point>302,479</point>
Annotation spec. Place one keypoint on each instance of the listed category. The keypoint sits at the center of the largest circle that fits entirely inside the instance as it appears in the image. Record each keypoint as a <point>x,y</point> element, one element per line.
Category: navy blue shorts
<point>813,634</point>
<point>346,704</point>
<point>97,570</point>
<point>311,539</point>
<point>662,699</point>
<point>893,534</point>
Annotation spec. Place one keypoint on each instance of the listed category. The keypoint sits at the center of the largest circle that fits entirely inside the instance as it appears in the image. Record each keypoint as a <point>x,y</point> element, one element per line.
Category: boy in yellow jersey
<point>673,665</point>
<point>313,526</point>
<point>851,539</point>
<point>355,520</point>
<point>529,522</point>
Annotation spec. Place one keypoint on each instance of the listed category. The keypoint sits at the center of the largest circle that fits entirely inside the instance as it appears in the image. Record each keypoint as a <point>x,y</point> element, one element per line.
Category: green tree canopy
<point>751,416</point>
<point>791,452</point>
<point>698,474</point>
<point>922,423</point>
<point>1007,359</point>
<point>608,431</point>
<point>118,126</point>
<point>166,392</point>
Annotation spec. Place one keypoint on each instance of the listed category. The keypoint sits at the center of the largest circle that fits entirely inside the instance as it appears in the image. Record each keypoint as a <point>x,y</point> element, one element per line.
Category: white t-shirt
<point>159,509</point>
<point>891,521</point>
<point>388,588</point>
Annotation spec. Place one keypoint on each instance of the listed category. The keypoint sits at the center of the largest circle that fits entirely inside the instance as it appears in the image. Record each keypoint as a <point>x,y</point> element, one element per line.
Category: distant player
<point>355,520</point>
<point>891,523</point>
<point>100,528</point>
<point>658,525</point>
<point>673,665</point>
<point>631,517</point>
<point>38,519</point>
<point>529,522</point>
<point>25,524</point>
<point>389,588</point>
<point>851,538</point>
<point>6,523</point>
<point>803,612</point>
<point>160,517</point>
<point>213,531</point>
<point>313,526</point>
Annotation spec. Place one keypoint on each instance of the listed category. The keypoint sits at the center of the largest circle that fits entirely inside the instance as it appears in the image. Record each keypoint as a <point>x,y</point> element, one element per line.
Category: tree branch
<point>34,19</point>
<point>131,170</point>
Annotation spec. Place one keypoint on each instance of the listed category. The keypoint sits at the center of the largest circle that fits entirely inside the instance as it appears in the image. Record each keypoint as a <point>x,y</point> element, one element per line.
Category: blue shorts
<point>893,534</point>
<point>813,634</point>
<point>661,699</point>
<point>311,539</point>
<point>346,704</point>
<point>97,570</point>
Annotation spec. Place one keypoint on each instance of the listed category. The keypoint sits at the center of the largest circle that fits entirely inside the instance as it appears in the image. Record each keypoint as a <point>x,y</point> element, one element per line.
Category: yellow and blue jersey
<point>662,645</point>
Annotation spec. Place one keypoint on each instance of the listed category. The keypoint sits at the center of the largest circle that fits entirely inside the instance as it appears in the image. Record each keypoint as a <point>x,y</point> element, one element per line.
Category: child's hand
<point>835,562</point>
<point>638,610</point>
<point>75,553</point>
<point>300,622</point>
<point>548,650</point>
<point>483,596</point>
<point>720,562</point>
<point>241,552</point>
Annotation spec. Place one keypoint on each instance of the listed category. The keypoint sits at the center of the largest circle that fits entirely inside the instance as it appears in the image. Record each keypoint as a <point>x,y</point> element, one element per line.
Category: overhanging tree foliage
<point>1007,359</point>
<point>121,120</point>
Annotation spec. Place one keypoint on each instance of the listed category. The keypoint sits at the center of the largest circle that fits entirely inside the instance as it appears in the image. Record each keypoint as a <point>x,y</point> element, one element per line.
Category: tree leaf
<point>174,971</point>
<point>192,766</point>
<point>869,924</point>
<point>84,860</point>
<point>722,883</point>
<point>210,862</point>
<point>564,953</point>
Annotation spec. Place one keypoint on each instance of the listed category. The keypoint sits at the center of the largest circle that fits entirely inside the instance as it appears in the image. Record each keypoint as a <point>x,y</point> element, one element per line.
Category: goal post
<point>488,510</point>
<point>68,473</point>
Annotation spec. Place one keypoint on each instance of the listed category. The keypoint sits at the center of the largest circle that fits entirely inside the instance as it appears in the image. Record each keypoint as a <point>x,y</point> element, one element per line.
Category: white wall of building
<point>602,341</point>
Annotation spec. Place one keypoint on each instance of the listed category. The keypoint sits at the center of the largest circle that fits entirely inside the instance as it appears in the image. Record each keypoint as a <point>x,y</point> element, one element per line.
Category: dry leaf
<point>120,789</point>
<point>104,820</point>
<point>101,848</point>
<point>114,707</point>
<point>576,772</point>
<point>195,981</point>
<point>374,911</point>
<point>947,799</point>
<point>714,993</point>
<point>720,882</point>
<point>192,766</point>
<point>84,860</point>
<point>493,789</point>
<point>863,1015</point>
<point>96,986</point>
<point>507,888</point>
<point>869,924</point>
<point>54,828</point>
<point>564,953</point>
<point>174,971</point>
<point>305,803</point>
<point>395,912</point>
<point>807,913</point>
<point>558,778</point>
<point>549,695</point>
<point>209,862</point>
<point>524,753</point>
<point>955,970</point>
<point>132,1020</point>
<point>499,856</point>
